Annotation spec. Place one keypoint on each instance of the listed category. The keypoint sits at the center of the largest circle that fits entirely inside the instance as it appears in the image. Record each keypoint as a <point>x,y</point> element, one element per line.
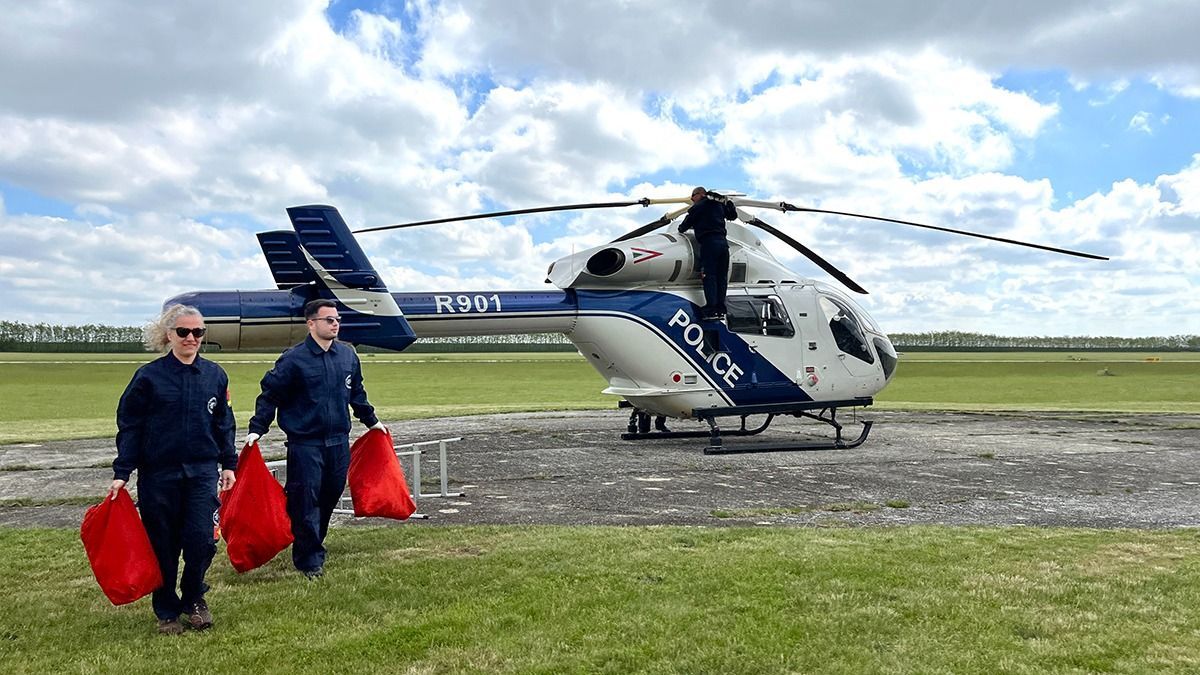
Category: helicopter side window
<point>846,332</point>
<point>761,315</point>
<point>740,315</point>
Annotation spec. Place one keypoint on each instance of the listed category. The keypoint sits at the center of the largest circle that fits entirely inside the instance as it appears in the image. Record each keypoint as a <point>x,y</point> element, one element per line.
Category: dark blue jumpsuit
<point>707,217</point>
<point>174,426</point>
<point>311,389</point>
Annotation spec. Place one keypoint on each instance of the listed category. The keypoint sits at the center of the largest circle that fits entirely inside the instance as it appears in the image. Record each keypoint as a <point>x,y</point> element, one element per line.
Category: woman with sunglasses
<point>174,426</point>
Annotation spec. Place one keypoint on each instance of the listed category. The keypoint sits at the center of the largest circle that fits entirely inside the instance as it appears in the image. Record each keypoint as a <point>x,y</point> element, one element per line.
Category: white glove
<point>379,426</point>
<point>251,438</point>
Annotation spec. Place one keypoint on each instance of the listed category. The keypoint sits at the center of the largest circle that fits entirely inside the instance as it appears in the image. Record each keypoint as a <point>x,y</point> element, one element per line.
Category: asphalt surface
<point>1048,469</point>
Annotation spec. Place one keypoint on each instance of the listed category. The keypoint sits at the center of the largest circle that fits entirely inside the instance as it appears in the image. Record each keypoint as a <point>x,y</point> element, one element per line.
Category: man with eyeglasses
<point>174,426</point>
<point>311,386</point>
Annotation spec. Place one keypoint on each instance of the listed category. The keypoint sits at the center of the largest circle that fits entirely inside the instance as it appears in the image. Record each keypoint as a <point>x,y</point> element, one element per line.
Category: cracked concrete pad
<point>1061,469</point>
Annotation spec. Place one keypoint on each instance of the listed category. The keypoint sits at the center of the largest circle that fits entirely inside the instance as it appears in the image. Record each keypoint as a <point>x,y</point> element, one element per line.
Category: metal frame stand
<point>415,453</point>
<point>443,467</point>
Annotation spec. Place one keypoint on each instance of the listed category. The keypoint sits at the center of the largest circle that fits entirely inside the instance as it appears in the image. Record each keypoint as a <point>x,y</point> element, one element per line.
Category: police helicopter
<point>788,346</point>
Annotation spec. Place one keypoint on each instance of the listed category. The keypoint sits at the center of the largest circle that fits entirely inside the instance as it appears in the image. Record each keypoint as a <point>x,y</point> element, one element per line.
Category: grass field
<point>420,599</point>
<point>76,397</point>
<point>617,600</point>
<point>56,396</point>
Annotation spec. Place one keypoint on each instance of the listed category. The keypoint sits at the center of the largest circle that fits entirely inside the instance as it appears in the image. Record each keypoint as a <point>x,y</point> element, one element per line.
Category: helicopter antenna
<point>521,212</point>
<point>786,207</point>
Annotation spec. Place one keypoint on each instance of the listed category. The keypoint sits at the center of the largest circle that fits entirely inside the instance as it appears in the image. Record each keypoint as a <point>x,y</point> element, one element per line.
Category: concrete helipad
<point>1085,470</point>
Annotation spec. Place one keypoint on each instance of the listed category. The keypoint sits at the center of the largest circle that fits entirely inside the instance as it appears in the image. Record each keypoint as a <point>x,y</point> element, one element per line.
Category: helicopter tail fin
<point>281,248</point>
<point>341,272</point>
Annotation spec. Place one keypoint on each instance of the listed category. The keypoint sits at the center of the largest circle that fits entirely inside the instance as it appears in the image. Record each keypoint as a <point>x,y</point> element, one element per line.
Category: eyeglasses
<point>327,319</point>
<point>194,332</point>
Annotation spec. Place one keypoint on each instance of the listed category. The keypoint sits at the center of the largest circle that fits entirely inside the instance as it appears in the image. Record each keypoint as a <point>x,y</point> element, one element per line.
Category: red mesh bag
<point>119,550</point>
<point>254,519</point>
<point>377,485</point>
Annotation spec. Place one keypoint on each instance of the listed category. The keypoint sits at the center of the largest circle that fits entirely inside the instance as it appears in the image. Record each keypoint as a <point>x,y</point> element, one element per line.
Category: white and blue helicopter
<point>788,346</point>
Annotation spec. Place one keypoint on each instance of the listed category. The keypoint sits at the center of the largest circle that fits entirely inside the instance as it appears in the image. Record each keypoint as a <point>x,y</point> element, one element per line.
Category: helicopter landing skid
<point>632,436</point>
<point>826,412</point>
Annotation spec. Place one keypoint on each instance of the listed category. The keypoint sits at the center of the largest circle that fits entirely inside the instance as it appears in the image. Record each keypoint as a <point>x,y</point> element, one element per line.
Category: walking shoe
<point>170,627</point>
<point>314,573</point>
<point>200,618</point>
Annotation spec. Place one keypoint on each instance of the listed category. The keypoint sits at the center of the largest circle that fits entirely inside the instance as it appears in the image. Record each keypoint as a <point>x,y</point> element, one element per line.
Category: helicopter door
<point>853,350</point>
<point>763,322</point>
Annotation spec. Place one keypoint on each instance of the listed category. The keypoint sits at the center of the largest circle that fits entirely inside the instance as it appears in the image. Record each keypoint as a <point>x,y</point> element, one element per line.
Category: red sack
<point>119,550</point>
<point>254,519</point>
<point>377,485</point>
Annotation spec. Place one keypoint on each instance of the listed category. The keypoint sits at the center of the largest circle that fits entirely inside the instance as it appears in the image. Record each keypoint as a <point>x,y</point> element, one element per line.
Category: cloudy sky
<point>143,144</point>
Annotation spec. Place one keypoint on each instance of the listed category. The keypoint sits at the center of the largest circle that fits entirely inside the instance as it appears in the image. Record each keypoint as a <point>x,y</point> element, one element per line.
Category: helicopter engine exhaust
<point>662,258</point>
<point>606,263</point>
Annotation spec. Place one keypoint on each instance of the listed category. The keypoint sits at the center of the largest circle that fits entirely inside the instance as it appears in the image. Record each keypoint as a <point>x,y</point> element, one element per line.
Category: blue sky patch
<point>1102,135</point>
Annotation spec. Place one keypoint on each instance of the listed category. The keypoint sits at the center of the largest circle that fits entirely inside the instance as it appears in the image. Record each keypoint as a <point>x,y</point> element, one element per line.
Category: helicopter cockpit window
<point>758,315</point>
<point>846,331</point>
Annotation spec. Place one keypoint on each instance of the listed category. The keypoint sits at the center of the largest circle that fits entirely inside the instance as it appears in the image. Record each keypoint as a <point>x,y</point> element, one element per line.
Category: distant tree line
<point>956,340</point>
<point>11,331</point>
<point>15,336</point>
<point>48,337</point>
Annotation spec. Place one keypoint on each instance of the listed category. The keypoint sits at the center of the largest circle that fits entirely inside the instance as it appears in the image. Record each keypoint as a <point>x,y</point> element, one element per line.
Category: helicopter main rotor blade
<point>520,212</point>
<point>650,227</point>
<point>784,206</point>
<point>808,253</point>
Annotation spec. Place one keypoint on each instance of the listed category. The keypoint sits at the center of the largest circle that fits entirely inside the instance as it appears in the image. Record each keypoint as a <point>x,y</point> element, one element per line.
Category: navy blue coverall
<point>174,426</point>
<point>707,217</point>
<point>311,389</point>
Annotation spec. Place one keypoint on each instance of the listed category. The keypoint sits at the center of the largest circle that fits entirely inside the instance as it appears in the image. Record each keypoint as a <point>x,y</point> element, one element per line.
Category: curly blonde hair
<point>154,333</point>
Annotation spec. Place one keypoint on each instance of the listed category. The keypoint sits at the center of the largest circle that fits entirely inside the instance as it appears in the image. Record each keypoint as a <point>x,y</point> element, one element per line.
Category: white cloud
<point>1181,192</point>
<point>75,271</point>
<point>1111,91</point>
<point>654,45</point>
<point>169,133</point>
<point>1140,122</point>
<point>562,140</point>
<point>237,110</point>
<point>860,121</point>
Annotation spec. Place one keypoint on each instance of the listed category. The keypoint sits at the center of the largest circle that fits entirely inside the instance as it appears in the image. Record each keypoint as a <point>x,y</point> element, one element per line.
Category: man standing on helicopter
<point>707,217</point>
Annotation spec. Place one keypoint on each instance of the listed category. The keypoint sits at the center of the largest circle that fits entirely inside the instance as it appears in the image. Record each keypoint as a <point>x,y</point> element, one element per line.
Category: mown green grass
<point>658,599</point>
<point>56,396</point>
<point>76,397</point>
<point>1108,384</point>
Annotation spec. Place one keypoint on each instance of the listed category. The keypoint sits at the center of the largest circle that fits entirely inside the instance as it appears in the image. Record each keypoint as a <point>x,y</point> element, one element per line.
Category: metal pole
<point>442,466</point>
<point>416,474</point>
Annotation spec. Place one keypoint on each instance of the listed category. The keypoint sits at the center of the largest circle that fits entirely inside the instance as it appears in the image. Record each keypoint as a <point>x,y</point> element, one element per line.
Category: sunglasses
<point>327,319</point>
<point>194,332</point>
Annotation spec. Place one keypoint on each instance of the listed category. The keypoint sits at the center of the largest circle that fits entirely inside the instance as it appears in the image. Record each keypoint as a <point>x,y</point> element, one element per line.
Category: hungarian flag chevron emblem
<point>643,254</point>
